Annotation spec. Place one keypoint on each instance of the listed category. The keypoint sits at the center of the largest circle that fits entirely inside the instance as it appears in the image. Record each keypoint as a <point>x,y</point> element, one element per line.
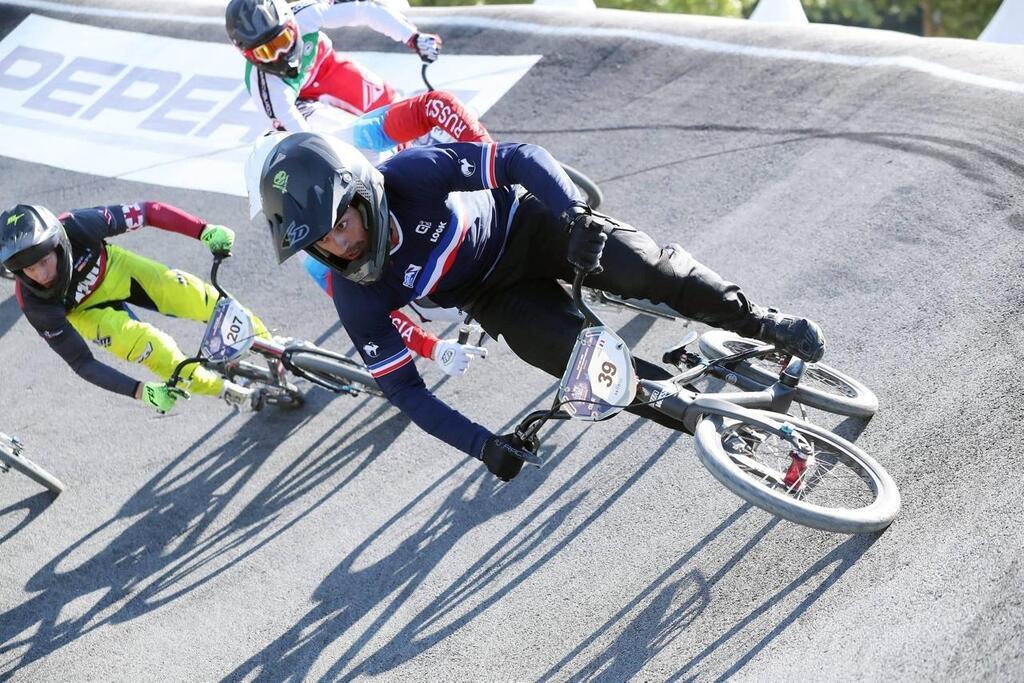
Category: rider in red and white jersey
<point>291,65</point>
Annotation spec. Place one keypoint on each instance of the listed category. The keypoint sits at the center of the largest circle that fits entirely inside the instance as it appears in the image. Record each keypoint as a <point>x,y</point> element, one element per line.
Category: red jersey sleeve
<point>416,339</point>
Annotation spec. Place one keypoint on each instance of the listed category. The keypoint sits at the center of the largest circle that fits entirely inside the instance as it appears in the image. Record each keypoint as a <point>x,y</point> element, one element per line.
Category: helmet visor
<point>274,48</point>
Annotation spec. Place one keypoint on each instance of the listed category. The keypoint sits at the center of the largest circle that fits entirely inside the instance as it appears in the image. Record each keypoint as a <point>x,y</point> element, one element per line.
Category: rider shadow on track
<point>178,539</point>
<point>32,507</point>
<point>348,595</point>
<point>668,606</point>
<point>10,313</point>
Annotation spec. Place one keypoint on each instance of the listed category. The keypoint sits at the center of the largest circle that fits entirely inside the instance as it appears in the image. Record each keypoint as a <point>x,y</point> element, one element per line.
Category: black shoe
<point>796,336</point>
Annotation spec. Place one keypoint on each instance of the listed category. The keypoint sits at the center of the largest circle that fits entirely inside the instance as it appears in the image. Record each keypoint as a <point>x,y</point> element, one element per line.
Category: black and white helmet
<point>267,34</point>
<point>27,234</point>
<point>307,182</point>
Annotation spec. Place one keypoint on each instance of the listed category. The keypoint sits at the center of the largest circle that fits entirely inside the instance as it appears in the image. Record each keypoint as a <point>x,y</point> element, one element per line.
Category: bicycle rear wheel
<point>588,186</point>
<point>822,386</point>
<point>31,470</point>
<point>840,488</point>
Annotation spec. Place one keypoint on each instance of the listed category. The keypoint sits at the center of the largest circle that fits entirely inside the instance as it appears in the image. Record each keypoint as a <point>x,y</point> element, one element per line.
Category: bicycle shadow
<point>670,604</point>
<point>495,574</point>
<point>843,557</point>
<point>348,595</point>
<point>660,616</point>
<point>10,312</point>
<point>851,428</point>
<point>33,506</point>
<point>176,540</point>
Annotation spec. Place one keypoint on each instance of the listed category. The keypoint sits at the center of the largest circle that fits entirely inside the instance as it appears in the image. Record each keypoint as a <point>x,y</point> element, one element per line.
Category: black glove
<point>586,238</point>
<point>504,455</point>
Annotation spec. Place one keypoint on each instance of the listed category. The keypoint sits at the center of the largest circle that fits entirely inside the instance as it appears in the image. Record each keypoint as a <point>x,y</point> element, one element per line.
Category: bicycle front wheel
<point>338,369</point>
<point>838,488</point>
<point>32,471</point>
<point>822,386</point>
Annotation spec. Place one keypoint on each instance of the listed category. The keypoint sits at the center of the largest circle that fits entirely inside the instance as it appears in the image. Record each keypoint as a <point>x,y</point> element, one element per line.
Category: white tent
<point>1007,25</point>
<point>779,11</point>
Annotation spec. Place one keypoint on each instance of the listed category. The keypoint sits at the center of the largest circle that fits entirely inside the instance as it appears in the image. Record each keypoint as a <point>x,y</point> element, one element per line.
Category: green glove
<point>218,238</point>
<point>161,396</point>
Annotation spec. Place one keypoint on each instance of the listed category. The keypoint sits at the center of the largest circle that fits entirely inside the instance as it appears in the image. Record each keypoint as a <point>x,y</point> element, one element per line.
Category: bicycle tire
<point>590,188</point>
<point>32,471</point>
<point>341,369</point>
<point>727,466</point>
<point>250,371</point>
<point>822,386</point>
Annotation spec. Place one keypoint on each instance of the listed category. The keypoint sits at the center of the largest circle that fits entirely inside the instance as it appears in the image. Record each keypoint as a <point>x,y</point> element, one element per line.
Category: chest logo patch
<point>410,275</point>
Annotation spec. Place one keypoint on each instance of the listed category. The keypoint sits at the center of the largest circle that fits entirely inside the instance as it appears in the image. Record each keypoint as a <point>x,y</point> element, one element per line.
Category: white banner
<point>169,111</point>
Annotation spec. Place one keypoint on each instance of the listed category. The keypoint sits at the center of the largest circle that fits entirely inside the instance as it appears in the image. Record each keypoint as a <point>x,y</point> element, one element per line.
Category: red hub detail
<point>796,470</point>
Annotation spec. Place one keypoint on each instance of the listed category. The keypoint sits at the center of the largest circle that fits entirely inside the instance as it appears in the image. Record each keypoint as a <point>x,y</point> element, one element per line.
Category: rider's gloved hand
<point>453,358</point>
<point>586,238</point>
<point>426,45</point>
<point>160,396</point>
<point>218,238</point>
<point>504,455</point>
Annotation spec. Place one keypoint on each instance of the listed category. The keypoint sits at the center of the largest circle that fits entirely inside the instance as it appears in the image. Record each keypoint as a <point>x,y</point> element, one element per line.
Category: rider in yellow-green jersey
<point>75,288</point>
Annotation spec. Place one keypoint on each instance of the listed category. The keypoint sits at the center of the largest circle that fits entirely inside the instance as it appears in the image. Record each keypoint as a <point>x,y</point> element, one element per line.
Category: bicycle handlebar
<point>423,75</point>
<point>577,296</point>
<point>217,260</point>
<point>175,377</point>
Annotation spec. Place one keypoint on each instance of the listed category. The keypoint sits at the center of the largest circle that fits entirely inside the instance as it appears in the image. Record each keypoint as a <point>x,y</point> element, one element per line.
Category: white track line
<point>669,40</point>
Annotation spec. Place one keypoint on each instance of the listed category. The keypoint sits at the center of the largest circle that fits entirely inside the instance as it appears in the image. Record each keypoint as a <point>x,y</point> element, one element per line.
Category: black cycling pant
<point>523,302</point>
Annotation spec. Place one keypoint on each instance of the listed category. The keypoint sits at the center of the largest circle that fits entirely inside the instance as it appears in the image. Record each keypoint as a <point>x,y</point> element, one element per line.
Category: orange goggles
<point>279,45</point>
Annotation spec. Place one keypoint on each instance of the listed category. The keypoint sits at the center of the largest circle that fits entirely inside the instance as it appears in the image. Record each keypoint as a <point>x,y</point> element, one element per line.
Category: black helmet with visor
<point>267,34</point>
<point>28,233</point>
<point>307,183</point>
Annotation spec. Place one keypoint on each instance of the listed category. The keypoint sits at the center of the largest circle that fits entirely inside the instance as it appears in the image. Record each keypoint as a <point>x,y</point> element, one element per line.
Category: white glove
<point>453,358</point>
<point>426,45</point>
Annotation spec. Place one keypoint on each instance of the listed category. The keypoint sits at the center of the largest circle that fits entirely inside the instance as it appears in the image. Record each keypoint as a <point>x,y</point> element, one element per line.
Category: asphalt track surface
<point>341,542</point>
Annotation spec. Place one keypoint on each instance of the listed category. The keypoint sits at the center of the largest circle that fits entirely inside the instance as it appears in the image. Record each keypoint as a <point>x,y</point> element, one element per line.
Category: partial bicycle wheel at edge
<point>32,471</point>
<point>845,490</point>
<point>822,386</point>
<point>588,186</point>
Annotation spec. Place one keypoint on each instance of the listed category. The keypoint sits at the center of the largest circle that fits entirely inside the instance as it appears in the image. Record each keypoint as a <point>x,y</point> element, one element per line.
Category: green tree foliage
<point>953,18</point>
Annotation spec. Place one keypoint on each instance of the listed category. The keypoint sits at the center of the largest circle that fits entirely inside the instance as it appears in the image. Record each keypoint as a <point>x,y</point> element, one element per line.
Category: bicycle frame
<point>675,397</point>
<point>273,376</point>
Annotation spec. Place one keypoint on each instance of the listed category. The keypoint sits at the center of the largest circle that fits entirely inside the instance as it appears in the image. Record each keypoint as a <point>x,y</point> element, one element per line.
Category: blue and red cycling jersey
<point>452,206</point>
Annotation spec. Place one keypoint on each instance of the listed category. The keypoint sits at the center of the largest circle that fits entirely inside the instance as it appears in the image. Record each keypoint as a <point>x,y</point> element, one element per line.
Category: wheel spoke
<point>833,480</point>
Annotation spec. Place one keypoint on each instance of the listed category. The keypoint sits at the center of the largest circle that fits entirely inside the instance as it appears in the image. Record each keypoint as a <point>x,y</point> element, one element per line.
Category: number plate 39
<point>600,380</point>
<point>229,333</point>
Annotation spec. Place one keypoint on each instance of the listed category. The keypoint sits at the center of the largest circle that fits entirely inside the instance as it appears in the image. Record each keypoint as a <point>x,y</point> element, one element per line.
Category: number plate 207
<point>229,333</point>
